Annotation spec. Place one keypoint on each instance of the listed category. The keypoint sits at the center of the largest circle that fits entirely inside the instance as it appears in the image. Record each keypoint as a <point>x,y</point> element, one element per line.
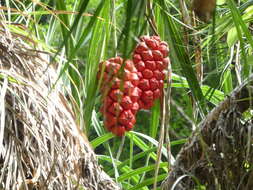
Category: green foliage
<point>80,34</point>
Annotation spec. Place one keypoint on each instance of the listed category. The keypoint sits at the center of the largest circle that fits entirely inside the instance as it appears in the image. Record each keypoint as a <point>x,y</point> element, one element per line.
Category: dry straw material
<point>41,146</point>
<point>219,153</point>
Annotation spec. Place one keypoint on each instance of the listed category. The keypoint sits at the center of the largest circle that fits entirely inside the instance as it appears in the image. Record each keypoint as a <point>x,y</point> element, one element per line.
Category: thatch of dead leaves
<point>41,146</point>
<point>219,155</point>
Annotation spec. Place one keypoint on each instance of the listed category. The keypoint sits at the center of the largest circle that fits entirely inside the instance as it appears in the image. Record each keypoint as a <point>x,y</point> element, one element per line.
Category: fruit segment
<point>128,86</point>
<point>120,94</point>
<point>150,59</point>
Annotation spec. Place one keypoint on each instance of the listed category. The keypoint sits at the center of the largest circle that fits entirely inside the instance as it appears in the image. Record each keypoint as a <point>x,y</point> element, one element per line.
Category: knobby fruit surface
<point>151,62</point>
<point>128,86</point>
<point>120,94</point>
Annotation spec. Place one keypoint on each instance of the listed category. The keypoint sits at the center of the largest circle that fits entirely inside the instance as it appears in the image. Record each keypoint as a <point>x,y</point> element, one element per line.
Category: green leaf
<point>250,59</point>
<point>101,139</point>
<point>145,153</point>
<point>140,171</point>
<point>220,2</point>
<point>181,57</point>
<point>124,169</point>
<point>149,181</point>
<point>232,37</point>
<point>97,49</point>
<point>155,116</point>
<point>241,27</point>
<point>227,82</point>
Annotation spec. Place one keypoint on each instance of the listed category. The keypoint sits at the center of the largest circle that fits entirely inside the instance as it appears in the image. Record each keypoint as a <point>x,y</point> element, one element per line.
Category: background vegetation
<point>81,33</point>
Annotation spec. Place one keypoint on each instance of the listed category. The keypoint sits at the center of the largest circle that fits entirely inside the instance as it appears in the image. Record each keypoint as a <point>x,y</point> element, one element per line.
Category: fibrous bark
<point>219,154</point>
<point>41,145</point>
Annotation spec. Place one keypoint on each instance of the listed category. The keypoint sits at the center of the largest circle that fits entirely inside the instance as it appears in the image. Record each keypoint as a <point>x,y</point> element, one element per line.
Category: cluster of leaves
<point>80,34</point>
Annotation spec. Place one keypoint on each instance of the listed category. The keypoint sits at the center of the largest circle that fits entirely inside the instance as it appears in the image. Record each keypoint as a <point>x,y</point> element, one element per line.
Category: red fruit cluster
<point>120,94</point>
<point>150,59</point>
<point>129,86</point>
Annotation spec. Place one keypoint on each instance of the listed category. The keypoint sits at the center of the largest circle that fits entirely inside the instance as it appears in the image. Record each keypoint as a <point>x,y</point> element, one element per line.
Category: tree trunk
<point>219,154</point>
<point>41,146</point>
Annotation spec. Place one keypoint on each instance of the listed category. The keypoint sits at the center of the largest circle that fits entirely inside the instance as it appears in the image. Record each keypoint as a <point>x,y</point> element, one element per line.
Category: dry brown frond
<point>219,153</point>
<point>41,146</point>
